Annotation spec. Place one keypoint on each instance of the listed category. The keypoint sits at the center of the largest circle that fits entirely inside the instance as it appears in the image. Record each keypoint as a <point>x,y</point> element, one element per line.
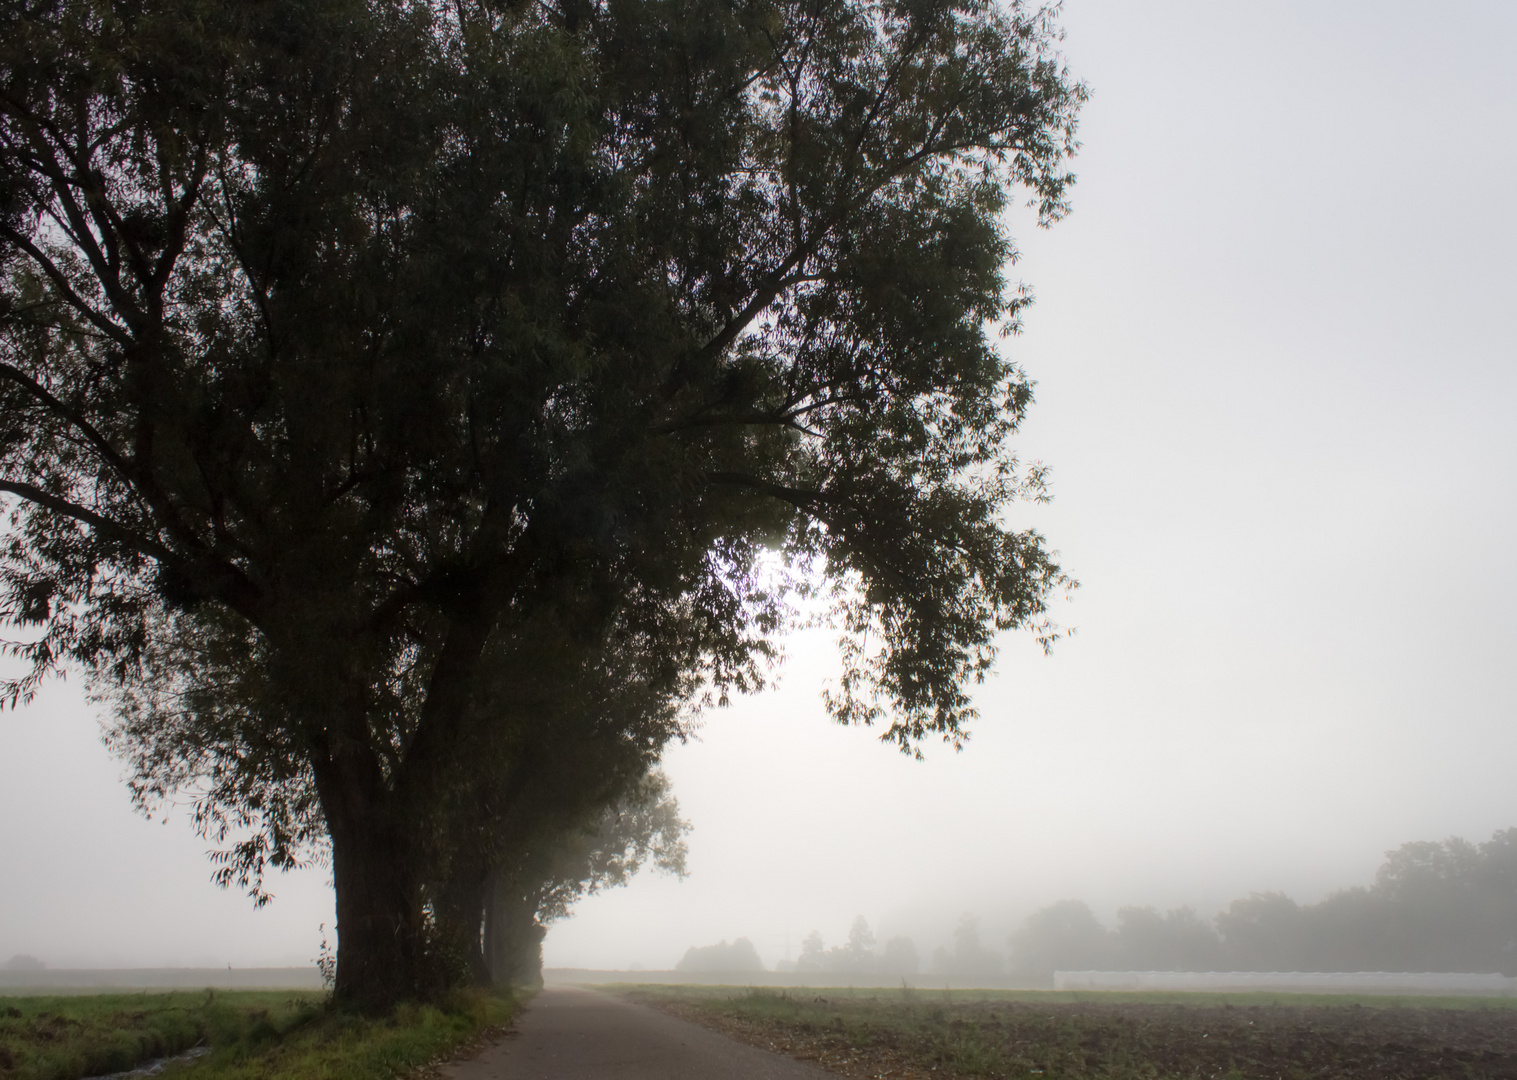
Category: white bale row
<point>1306,981</point>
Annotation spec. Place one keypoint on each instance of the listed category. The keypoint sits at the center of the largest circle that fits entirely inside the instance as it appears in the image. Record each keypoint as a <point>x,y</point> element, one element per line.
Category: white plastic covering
<point>1298,981</point>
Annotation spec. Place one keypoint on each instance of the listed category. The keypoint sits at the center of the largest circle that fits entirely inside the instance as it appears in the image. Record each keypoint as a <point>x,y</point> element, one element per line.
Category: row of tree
<point>740,955</point>
<point>1434,906</point>
<point>859,954</point>
<point>898,956</point>
<point>412,414</point>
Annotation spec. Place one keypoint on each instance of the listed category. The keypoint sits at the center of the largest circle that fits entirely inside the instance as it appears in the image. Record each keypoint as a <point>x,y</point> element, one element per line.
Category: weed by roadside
<point>247,1034</point>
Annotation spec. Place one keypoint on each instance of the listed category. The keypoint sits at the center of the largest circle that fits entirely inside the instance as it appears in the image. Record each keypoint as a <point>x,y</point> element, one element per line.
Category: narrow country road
<point>572,1034</point>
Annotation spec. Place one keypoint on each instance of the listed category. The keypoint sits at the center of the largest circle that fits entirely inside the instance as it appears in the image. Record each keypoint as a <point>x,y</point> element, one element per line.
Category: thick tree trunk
<point>378,815</point>
<point>381,933</point>
<point>513,936</point>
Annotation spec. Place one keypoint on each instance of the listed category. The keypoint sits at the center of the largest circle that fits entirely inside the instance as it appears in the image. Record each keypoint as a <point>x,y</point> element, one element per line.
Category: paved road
<point>576,1034</point>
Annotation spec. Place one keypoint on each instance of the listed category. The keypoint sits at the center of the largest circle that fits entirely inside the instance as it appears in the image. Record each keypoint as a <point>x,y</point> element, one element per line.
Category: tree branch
<point>143,546</point>
<point>800,498</point>
<point>73,416</point>
<point>118,334</point>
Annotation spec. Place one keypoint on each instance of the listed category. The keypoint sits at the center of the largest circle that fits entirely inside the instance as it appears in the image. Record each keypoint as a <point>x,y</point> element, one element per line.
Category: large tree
<point>362,335</point>
<point>554,793</point>
<point>573,857</point>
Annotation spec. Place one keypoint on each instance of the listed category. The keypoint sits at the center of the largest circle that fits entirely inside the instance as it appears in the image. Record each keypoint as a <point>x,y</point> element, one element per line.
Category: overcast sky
<point>1275,353</point>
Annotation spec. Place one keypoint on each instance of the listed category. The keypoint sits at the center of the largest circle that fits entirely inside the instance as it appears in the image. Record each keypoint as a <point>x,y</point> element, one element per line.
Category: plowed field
<point>915,1035</point>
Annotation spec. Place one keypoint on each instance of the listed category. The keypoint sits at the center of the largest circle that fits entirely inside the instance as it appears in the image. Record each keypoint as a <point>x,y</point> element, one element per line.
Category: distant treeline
<point>1449,906</point>
<point>738,956</point>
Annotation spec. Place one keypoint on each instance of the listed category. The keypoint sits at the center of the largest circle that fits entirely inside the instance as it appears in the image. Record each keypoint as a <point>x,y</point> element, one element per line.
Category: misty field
<point>937,1034</point>
<point>239,1035</point>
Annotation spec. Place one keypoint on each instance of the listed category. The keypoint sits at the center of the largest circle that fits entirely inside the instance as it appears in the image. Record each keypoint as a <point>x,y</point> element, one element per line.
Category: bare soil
<point>910,1036</point>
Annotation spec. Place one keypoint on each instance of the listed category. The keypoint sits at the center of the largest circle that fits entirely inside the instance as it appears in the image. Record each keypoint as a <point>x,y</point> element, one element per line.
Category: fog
<point>1275,365</point>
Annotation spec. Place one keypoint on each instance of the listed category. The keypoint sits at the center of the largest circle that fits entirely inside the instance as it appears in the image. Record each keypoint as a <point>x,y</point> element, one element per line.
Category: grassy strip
<point>269,1035</point>
<point>1122,1036</point>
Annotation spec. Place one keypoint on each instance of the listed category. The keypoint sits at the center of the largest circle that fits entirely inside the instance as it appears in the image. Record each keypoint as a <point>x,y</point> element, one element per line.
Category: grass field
<point>244,1035</point>
<point>1114,1036</point>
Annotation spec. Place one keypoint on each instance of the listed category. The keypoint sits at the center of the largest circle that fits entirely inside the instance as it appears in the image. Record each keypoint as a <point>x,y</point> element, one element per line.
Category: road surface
<point>573,1034</point>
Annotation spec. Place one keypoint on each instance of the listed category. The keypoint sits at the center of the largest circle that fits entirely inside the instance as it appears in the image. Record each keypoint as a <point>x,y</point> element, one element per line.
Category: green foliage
<point>346,1046</point>
<point>248,1034</point>
<point>642,826</point>
<point>356,349</point>
<point>564,855</point>
<point>61,1038</point>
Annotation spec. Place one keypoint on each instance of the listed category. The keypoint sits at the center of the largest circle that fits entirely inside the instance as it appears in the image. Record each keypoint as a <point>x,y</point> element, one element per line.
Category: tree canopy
<point>348,347</point>
<point>856,957</point>
<point>537,881</point>
<point>739,955</point>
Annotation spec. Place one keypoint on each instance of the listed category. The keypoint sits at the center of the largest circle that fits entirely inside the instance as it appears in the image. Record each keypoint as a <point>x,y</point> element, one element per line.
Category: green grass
<point>268,1035</point>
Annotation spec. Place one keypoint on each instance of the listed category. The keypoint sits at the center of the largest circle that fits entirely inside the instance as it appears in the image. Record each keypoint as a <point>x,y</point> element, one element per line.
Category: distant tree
<point>1434,906</point>
<point>900,957</point>
<point>857,956</point>
<point>1266,932</point>
<point>24,962</point>
<point>860,942</point>
<point>1063,936</point>
<point>359,333</point>
<point>1351,930</point>
<point>721,957</point>
<point>1452,905</point>
<point>1178,940</point>
<point>969,957</point>
<point>813,954</point>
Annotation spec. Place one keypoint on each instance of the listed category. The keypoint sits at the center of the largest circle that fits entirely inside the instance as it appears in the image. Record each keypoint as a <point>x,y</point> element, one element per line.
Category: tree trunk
<point>378,818</point>
<point>513,936</point>
<point>381,933</point>
<point>459,910</point>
